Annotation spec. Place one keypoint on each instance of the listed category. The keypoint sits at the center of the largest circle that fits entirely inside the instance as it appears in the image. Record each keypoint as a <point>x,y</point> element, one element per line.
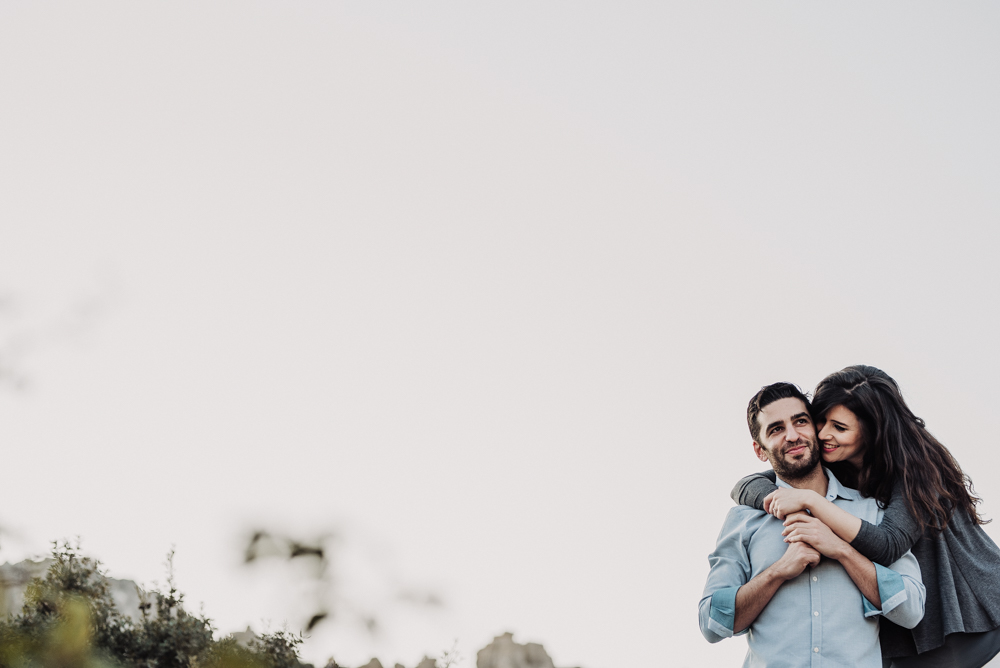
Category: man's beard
<point>794,469</point>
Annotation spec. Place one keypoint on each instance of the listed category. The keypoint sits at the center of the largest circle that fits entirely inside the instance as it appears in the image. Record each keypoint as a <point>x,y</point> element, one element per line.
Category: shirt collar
<point>834,488</point>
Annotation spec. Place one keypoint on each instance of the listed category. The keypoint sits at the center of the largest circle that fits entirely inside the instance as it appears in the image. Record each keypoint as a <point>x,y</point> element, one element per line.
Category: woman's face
<point>840,435</point>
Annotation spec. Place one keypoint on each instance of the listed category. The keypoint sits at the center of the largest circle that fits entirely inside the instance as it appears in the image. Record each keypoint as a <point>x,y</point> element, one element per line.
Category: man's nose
<point>792,434</point>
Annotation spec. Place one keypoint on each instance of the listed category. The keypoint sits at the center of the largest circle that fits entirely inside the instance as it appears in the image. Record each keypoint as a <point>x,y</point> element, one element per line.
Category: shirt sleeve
<point>751,490</point>
<point>902,592</point>
<point>729,570</point>
<point>895,534</point>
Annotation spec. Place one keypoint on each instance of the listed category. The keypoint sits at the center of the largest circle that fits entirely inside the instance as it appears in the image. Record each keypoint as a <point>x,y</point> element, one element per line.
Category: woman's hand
<point>800,527</point>
<point>786,500</point>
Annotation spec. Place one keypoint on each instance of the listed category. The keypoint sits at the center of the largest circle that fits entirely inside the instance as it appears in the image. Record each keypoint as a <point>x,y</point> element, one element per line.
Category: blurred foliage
<point>69,620</point>
<point>323,599</point>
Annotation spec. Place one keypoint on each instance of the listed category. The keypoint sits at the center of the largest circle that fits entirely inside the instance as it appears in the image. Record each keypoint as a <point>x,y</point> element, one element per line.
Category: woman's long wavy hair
<point>898,448</point>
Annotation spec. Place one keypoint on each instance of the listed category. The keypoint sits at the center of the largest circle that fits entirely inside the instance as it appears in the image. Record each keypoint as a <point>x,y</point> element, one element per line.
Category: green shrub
<point>69,620</point>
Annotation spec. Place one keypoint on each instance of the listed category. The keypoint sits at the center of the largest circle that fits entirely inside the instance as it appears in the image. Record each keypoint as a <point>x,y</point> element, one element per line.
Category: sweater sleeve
<point>893,536</point>
<point>751,490</point>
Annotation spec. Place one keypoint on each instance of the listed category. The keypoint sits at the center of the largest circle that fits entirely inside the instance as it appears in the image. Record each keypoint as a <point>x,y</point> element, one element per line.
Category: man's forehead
<point>781,409</point>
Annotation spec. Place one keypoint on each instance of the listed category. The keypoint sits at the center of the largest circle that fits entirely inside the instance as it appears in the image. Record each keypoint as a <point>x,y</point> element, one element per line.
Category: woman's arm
<point>751,490</point>
<point>759,491</point>
<point>894,535</point>
<point>883,544</point>
<point>784,502</point>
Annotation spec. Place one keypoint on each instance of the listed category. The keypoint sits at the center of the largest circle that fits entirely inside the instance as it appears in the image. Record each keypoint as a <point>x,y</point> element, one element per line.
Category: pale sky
<point>485,287</point>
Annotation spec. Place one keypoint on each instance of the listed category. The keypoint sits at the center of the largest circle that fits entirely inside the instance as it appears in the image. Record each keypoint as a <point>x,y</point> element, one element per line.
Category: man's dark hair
<point>768,395</point>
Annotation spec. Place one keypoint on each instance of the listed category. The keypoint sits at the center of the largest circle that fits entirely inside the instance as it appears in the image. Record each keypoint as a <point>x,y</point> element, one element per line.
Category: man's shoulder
<point>744,513</point>
<point>745,518</point>
<point>739,528</point>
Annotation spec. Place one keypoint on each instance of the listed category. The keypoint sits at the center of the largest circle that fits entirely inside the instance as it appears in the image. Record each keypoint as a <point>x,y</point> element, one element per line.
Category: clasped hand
<point>785,500</point>
<point>803,528</point>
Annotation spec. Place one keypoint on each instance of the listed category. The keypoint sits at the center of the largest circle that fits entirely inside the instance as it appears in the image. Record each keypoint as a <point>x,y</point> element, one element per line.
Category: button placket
<point>815,600</point>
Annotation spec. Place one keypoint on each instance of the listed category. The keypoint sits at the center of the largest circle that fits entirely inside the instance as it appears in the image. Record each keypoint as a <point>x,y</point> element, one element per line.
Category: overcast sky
<point>485,287</point>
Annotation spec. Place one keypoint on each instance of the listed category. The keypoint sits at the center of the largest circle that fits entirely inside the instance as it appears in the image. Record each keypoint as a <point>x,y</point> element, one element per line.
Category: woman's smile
<point>841,438</point>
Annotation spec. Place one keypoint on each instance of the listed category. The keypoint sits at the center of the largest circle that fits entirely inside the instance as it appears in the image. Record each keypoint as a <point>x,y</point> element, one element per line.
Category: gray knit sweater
<point>960,567</point>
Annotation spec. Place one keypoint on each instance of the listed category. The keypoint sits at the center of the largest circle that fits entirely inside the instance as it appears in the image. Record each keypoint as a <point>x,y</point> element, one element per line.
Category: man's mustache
<point>798,444</point>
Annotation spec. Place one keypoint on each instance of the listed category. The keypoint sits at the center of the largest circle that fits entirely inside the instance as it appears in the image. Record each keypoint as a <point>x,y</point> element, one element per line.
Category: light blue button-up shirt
<point>818,619</point>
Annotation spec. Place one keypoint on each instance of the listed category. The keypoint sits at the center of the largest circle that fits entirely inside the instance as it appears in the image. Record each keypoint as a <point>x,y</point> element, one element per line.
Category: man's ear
<point>759,451</point>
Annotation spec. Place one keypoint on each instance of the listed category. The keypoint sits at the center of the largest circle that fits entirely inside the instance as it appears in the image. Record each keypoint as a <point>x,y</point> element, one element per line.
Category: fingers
<point>802,534</point>
<point>767,502</point>
<point>806,553</point>
<point>801,537</point>
<point>798,523</point>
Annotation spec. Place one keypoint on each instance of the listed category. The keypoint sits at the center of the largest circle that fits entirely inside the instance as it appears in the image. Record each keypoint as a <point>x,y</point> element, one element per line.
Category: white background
<point>483,287</point>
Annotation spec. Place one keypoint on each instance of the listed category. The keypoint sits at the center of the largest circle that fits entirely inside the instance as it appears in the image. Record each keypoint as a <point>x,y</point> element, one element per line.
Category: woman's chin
<point>829,457</point>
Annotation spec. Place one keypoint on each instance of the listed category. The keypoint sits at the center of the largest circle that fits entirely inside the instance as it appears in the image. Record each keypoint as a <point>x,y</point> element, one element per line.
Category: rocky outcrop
<point>14,579</point>
<point>503,652</point>
<point>244,638</point>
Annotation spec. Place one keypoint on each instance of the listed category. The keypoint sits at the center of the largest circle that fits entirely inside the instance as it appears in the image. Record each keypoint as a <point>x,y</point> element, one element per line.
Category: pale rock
<point>503,652</point>
<point>244,638</point>
<point>14,579</point>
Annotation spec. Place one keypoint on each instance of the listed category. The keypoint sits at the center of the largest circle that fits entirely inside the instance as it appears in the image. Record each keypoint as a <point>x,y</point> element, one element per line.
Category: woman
<point>873,442</point>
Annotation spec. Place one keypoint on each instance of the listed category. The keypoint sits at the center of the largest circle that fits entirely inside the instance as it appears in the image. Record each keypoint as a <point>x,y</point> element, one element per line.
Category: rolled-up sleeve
<point>902,592</point>
<point>729,570</point>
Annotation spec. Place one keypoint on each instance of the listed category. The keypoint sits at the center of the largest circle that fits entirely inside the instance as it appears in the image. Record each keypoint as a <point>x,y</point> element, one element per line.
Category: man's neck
<point>814,480</point>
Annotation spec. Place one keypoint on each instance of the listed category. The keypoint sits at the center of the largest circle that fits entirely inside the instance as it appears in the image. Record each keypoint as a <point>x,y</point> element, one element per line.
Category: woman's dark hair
<point>898,448</point>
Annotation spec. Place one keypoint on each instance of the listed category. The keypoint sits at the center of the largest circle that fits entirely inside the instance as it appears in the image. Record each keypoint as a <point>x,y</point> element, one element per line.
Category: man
<point>802,604</point>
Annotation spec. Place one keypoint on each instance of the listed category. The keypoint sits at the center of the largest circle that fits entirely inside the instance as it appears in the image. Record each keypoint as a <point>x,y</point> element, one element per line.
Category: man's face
<point>787,438</point>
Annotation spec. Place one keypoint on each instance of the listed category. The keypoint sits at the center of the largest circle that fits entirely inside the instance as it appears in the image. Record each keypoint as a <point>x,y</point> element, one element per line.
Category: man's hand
<point>796,559</point>
<point>801,529</point>
<point>752,597</point>
<point>784,501</point>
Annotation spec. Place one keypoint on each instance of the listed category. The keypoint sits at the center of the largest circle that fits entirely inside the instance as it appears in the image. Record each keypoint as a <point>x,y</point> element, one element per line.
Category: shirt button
<point>815,578</point>
<point>816,649</point>
<point>815,613</point>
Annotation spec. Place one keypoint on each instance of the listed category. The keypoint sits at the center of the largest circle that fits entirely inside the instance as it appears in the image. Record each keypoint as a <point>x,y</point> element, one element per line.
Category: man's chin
<point>795,470</point>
